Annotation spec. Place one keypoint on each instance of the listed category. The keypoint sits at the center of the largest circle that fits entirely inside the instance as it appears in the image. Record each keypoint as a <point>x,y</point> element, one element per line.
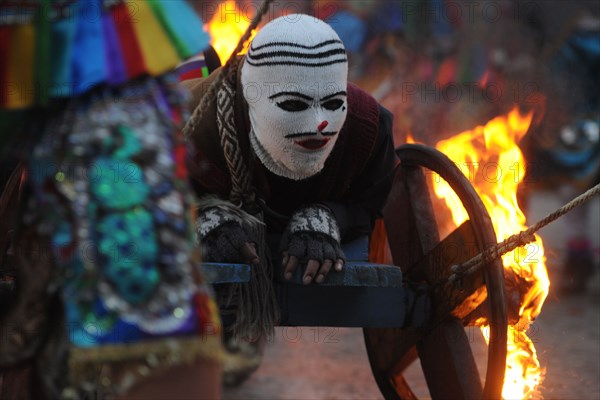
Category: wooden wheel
<point>443,348</point>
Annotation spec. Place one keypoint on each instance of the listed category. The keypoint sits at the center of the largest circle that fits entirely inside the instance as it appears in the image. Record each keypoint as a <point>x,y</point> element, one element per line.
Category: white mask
<point>294,80</point>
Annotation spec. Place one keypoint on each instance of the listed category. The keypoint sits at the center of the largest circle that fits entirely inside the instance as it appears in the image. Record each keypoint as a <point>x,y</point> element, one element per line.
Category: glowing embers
<point>226,28</point>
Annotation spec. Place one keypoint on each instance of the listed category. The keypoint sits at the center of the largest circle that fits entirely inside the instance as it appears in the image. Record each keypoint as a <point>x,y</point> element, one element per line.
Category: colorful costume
<point>87,91</point>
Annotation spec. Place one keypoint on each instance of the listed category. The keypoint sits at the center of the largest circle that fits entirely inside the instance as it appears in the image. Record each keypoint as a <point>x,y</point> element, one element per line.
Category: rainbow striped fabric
<point>53,49</point>
<point>195,67</point>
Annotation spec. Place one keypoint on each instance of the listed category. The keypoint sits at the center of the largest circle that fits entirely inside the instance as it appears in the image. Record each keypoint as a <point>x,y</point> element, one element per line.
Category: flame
<point>491,159</point>
<point>226,28</point>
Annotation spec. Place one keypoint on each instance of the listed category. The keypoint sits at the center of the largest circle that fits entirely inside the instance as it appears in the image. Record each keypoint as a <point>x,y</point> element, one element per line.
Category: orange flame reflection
<point>226,28</point>
<point>491,159</point>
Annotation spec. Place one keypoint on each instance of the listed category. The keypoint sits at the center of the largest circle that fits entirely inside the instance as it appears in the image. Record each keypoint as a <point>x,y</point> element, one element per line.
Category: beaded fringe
<point>256,311</point>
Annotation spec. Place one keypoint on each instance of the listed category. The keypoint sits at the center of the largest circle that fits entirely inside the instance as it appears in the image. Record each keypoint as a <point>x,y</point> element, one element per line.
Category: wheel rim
<point>415,155</point>
<point>432,159</point>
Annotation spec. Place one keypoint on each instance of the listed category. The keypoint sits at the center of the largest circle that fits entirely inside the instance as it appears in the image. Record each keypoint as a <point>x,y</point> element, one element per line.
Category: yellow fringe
<point>109,370</point>
<point>20,63</point>
<point>183,349</point>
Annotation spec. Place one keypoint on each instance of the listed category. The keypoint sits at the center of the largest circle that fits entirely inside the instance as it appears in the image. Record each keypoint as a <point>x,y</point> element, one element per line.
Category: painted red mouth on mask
<point>312,144</point>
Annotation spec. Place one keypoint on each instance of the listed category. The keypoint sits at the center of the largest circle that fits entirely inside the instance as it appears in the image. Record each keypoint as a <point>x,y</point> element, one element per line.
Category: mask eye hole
<point>333,104</point>
<point>293,105</point>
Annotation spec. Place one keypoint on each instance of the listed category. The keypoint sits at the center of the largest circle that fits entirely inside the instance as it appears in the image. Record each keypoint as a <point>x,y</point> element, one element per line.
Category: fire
<point>491,159</point>
<point>226,28</point>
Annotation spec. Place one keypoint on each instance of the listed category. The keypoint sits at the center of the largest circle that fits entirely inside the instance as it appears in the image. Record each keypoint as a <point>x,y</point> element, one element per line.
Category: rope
<point>520,239</point>
<point>257,310</point>
<point>241,188</point>
<point>192,122</point>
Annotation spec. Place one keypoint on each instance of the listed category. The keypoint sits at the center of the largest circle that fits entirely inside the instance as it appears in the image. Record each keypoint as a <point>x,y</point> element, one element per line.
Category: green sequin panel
<point>118,184</point>
<point>130,145</point>
<point>127,241</point>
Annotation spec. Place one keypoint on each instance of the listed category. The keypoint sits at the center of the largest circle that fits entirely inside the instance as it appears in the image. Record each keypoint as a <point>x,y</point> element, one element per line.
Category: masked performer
<point>286,145</point>
<point>96,219</point>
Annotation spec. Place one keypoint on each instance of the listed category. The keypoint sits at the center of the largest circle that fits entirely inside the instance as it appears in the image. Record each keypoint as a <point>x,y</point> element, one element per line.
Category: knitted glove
<point>312,234</point>
<point>223,239</point>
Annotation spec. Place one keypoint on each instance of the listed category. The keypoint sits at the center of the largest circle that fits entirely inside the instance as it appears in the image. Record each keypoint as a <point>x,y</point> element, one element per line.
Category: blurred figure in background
<point>95,219</point>
<point>443,67</point>
<point>564,150</point>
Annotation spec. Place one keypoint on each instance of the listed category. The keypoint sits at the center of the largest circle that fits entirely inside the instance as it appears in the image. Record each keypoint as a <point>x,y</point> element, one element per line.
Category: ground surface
<point>331,363</point>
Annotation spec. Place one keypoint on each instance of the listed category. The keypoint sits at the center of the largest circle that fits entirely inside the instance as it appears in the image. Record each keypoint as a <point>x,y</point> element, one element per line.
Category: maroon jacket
<point>354,182</point>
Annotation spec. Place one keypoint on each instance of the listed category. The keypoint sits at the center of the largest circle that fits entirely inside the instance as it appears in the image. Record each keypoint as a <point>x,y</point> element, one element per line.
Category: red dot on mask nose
<point>322,125</point>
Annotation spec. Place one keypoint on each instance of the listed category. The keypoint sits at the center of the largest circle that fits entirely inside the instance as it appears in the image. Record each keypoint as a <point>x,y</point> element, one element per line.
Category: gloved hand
<point>312,237</point>
<point>224,239</point>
